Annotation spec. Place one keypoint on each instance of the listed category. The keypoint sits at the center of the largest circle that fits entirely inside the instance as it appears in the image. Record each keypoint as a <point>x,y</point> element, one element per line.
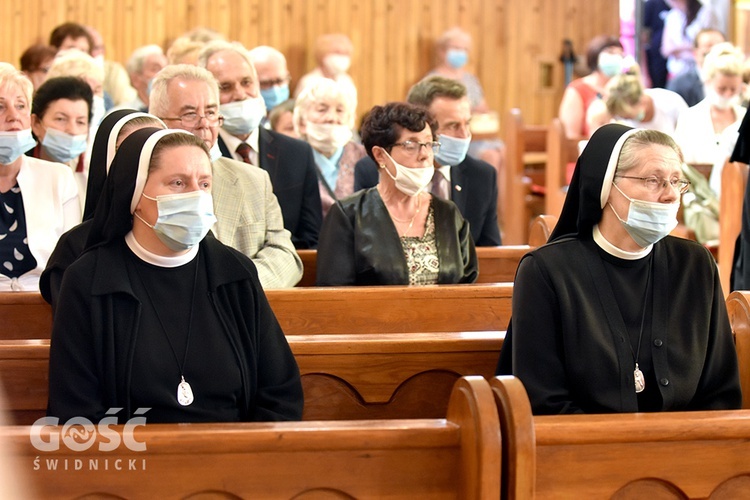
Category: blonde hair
<point>183,49</point>
<point>323,88</point>
<point>623,90</point>
<point>75,63</point>
<point>9,75</point>
<point>723,58</point>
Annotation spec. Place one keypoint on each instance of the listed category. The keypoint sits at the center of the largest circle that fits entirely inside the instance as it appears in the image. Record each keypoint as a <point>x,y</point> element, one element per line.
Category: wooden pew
<point>632,455</point>
<point>496,264</point>
<point>392,309</point>
<point>304,311</point>
<point>453,457</point>
<point>525,146</point>
<point>560,152</point>
<point>541,229</point>
<point>733,183</point>
<point>738,307</point>
<point>309,266</point>
<point>357,376</point>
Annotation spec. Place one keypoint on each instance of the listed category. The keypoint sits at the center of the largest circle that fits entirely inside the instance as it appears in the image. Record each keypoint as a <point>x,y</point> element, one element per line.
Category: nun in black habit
<point>157,313</point>
<point>114,127</point>
<point>740,279</point>
<point>613,315</point>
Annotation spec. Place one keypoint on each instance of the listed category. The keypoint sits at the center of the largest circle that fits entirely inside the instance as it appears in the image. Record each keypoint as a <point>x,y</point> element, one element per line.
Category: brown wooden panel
<point>393,40</point>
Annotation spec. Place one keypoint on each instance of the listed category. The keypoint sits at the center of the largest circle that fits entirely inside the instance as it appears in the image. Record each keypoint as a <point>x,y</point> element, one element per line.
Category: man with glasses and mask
<point>470,183</point>
<point>289,162</point>
<point>248,215</point>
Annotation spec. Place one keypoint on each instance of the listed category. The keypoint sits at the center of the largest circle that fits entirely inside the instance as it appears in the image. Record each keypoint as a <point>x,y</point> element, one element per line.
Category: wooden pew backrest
<point>540,230</point>
<point>392,309</point>
<point>525,144</point>
<point>496,264</point>
<point>630,455</point>
<point>560,152</point>
<point>733,183</point>
<point>344,377</point>
<point>738,308</point>
<point>24,313</point>
<point>304,311</point>
<point>453,457</point>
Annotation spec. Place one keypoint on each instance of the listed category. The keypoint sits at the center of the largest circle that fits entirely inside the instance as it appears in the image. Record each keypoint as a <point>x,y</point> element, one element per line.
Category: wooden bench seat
<point>306,311</point>
<point>633,455</point>
<point>358,376</point>
<point>453,457</point>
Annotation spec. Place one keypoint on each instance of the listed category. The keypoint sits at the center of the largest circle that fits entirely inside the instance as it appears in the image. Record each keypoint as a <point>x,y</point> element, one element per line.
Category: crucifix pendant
<point>640,381</point>
<point>185,393</point>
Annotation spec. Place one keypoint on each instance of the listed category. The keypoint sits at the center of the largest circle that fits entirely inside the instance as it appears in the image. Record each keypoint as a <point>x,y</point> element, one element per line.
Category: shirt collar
<point>232,142</point>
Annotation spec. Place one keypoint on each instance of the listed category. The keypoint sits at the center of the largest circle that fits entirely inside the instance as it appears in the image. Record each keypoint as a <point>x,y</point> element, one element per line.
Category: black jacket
<point>473,190</point>
<point>96,325</point>
<point>291,166</point>
<point>359,244</point>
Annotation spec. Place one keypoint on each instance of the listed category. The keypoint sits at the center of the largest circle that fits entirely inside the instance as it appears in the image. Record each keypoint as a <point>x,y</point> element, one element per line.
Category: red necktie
<point>247,153</point>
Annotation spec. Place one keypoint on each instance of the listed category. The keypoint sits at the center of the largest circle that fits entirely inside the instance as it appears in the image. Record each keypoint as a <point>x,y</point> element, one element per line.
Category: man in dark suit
<point>289,162</point>
<point>470,183</point>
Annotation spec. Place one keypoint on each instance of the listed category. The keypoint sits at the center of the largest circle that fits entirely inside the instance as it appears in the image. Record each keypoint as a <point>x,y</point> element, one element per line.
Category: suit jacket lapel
<point>227,200</point>
<point>458,178</point>
<point>269,154</point>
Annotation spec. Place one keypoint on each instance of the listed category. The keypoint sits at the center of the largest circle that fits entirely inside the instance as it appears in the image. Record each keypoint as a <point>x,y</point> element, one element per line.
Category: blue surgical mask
<point>242,117</point>
<point>452,150</point>
<point>648,222</point>
<point>275,95</point>
<point>14,144</point>
<point>63,147</point>
<point>609,64</point>
<point>457,58</point>
<point>184,219</point>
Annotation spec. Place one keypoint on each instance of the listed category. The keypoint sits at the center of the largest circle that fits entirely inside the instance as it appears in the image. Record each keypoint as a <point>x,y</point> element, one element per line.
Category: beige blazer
<point>249,219</point>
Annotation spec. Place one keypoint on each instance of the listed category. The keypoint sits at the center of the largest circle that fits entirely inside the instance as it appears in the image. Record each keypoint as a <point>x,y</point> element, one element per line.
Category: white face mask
<point>184,219</point>
<point>337,63</point>
<point>719,101</point>
<point>648,222</point>
<point>327,137</point>
<point>242,117</point>
<point>97,111</point>
<point>410,181</point>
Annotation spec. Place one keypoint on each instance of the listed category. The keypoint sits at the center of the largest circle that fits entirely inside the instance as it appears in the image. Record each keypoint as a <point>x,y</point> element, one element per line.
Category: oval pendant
<point>184,393</point>
<point>640,380</point>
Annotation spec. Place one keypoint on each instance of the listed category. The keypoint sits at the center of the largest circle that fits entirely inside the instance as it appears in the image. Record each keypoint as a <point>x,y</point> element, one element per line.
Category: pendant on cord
<point>185,392</point>
<point>640,381</point>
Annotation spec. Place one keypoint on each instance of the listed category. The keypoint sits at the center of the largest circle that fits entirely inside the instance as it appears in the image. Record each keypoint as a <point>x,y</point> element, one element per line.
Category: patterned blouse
<point>15,256</point>
<point>421,254</point>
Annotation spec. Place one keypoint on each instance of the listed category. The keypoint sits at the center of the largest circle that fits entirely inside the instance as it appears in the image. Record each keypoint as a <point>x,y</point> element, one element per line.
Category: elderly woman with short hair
<point>397,233</point>
<point>38,199</point>
<point>324,118</point>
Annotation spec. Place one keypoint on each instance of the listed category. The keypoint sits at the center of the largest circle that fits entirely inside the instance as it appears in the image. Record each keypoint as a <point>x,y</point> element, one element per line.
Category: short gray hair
<point>159,98</point>
<point>135,63</point>
<point>324,88</point>
<point>215,46</point>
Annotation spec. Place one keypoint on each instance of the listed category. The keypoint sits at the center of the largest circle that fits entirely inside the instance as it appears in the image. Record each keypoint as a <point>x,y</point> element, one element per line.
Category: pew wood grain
<point>738,308</point>
<point>633,455</point>
<point>344,377</point>
<point>733,183</point>
<point>457,456</point>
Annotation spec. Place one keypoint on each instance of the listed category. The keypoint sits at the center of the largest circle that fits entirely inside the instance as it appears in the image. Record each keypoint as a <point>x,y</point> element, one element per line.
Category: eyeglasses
<point>192,119</point>
<point>411,147</point>
<point>267,84</point>
<point>657,184</point>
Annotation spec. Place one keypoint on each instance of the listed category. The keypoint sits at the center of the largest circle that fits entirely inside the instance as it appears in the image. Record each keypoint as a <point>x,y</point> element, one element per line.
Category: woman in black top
<point>157,313</point>
<point>613,315</point>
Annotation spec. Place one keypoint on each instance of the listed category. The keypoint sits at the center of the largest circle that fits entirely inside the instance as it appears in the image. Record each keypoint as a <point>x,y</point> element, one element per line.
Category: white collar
<point>608,247</point>
<point>446,171</point>
<point>159,260</point>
